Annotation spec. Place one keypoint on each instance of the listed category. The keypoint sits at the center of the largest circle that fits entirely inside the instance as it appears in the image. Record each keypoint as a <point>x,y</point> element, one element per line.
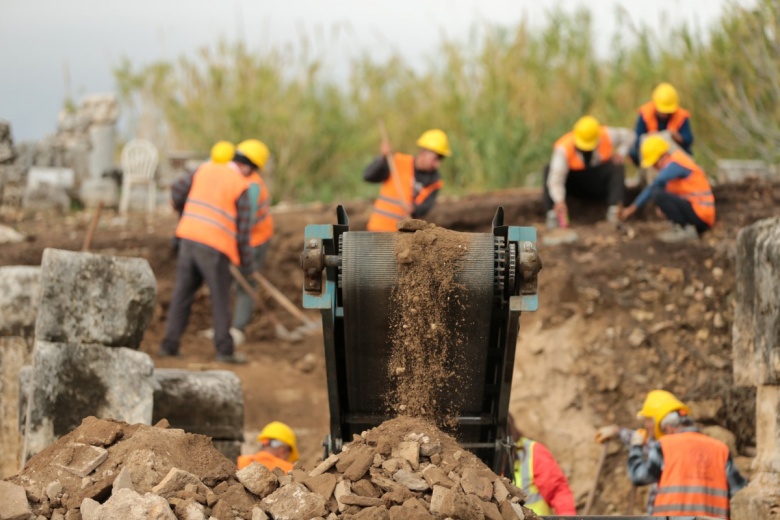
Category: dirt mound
<point>423,338</point>
<point>404,468</point>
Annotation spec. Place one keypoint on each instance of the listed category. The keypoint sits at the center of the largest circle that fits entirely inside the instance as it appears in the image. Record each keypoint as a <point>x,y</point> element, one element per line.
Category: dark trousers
<point>198,263</point>
<point>605,182</point>
<point>678,210</point>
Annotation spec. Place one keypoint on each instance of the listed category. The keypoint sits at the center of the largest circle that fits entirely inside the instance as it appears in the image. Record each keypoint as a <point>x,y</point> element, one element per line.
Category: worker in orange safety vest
<point>695,473</point>
<point>278,448</point>
<point>412,192</point>
<point>663,113</point>
<point>262,231</point>
<point>681,191</point>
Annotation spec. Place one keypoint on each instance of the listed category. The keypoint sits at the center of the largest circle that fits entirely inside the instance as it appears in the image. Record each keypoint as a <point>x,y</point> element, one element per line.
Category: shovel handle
<point>241,279</point>
<point>283,300</point>
<point>600,468</point>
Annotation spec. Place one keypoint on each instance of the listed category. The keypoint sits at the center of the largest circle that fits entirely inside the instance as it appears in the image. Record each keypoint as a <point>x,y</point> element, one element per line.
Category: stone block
<point>258,479</point>
<point>294,502</point>
<point>359,466</point>
<point>20,293</point>
<point>176,480</point>
<point>13,502</point>
<point>760,499</point>
<point>9,235</point>
<point>95,299</point>
<point>15,352</point>
<point>435,476</point>
<point>71,382</point>
<point>129,505</point>
<point>767,430</point>
<point>737,170</point>
<point>209,402</point>
<point>409,450</point>
<point>325,484</point>
<point>80,459</point>
<point>94,191</point>
<point>412,481</point>
<point>475,484</point>
<point>448,503</point>
<point>756,328</point>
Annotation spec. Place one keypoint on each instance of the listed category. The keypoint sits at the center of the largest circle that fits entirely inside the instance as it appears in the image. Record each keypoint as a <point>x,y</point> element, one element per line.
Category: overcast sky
<point>41,39</point>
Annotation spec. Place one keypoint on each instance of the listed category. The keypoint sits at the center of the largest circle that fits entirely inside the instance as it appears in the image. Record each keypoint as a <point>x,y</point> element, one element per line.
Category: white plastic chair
<point>139,162</point>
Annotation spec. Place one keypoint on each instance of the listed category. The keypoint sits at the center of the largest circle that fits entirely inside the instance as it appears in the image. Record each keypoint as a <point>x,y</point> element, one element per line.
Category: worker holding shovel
<point>410,184</point>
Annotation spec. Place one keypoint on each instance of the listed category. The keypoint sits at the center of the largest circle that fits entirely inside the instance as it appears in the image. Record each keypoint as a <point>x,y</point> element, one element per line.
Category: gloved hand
<point>639,437</point>
<point>606,433</point>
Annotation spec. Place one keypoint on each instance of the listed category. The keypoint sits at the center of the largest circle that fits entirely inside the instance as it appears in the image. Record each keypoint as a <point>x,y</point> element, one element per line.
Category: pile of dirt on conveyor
<point>423,354</point>
<point>403,469</point>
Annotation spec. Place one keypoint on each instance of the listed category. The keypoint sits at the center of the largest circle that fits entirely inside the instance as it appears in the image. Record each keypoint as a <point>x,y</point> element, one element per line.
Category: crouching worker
<point>278,448</point>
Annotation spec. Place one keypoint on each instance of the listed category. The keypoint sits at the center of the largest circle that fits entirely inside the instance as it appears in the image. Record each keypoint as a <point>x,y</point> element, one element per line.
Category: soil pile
<point>403,469</point>
<point>424,340</point>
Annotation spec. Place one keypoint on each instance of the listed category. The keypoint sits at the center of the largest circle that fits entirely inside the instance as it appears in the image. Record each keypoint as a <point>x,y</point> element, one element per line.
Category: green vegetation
<point>503,97</point>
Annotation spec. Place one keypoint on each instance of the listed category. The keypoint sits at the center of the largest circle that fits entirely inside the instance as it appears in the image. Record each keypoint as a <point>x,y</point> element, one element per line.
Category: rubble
<point>116,470</point>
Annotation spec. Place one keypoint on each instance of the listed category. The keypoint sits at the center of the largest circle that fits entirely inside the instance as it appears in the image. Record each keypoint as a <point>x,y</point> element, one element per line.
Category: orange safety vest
<point>389,207</point>
<point>574,157</point>
<point>695,188</point>
<point>263,226</point>
<point>650,117</point>
<point>693,481</point>
<point>210,214</point>
<point>266,459</point>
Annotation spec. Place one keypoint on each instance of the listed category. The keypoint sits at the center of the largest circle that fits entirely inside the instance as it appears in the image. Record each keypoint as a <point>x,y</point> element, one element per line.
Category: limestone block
<point>258,479</point>
<point>94,191</point>
<point>767,430</point>
<point>294,502</point>
<point>760,499</point>
<point>13,502</point>
<point>71,382</point>
<point>97,299</point>
<point>15,352</point>
<point>25,380</point>
<point>209,402</point>
<point>129,505</point>
<point>80,459</point>
<point>756,328</point>
<point>20,292</point>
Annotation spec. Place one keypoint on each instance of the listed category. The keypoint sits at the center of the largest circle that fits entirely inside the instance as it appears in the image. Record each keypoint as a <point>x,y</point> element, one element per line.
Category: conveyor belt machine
<point>349,275</point>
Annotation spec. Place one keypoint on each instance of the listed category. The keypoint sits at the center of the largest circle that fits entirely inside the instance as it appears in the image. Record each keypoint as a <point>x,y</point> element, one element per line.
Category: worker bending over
<point>260,236</point>
<point>663,114</point>
<point>681,192</point>
<point>695,473</point>
<point>537,473</point>
<point>215,231</point>
<point>411,191</point>
<point>587,163</point>
<point>278,448</point>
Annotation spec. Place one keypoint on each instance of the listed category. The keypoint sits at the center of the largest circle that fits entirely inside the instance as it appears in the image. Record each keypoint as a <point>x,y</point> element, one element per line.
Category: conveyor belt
<point>369,274</point>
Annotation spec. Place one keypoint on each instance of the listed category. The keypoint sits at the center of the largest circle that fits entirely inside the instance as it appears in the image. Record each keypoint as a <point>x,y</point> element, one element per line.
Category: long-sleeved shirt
<point>669,172</point>
<point>379,171</point>
<point>180,190</point>
<point>622,140</point>
<point>551,482</point>
<point>641,129</point>
<point>643,470</point>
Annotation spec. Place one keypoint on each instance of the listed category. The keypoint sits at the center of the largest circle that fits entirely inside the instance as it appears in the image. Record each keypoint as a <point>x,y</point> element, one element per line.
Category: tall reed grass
<point>503,96</point>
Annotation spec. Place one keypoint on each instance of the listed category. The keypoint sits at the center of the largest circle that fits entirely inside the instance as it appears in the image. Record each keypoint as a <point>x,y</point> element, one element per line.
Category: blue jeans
<point>244,302</point>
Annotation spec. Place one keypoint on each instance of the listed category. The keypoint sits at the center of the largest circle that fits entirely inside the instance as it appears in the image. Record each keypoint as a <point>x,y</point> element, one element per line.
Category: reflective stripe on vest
<point>524,475</point>
<point>209,215</point>
<point>574,156</point>
<point>695,188</point>
<point>650,117</point>
<point>693,481</point>
<point>263,222</point>
<point>389,206</point>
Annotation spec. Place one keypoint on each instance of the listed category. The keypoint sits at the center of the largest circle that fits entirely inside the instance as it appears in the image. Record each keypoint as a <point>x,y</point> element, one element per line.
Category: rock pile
<point>403,469</point>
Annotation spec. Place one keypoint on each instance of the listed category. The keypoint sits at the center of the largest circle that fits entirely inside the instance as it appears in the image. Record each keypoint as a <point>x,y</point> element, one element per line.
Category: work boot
<point>236,358</point>
<point>167,353</point>
<point>612,215</point>
<point>552,219</point>
<point>239,338</point>
<point>679,234</point>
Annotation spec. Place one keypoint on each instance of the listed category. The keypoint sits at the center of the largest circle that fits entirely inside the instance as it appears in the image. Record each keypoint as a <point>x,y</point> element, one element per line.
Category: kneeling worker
<point>681,191</point>
<point>589,163</point>
<point>411,193</point>
<point>278,448</point>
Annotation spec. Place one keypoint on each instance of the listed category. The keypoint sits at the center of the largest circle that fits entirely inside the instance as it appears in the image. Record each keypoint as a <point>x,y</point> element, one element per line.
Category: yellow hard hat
<point>254,150</point>
<point>586,133</point>
<point>222,152</point>
<point>665,98</point>
<point>436,141</point>
<point>652,149</point>
<point>658,404</point>
<point>281,432</point>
